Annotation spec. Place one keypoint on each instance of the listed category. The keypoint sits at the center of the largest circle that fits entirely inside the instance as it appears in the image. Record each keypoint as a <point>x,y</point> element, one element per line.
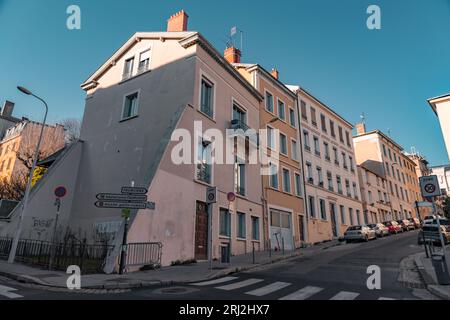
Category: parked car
<point>444,222</point>
<point>380,229</point>
<point>406,225</point>
<point>432,233</point>
<point>416,222</point>
<point>393,227</point>
<point>359,233</point>
<point>430,218</point>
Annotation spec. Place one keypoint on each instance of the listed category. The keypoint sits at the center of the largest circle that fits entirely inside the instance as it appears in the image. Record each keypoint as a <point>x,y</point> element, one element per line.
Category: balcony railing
<point>126,75</point>
<point>237,124</point>
<point>203,173</point>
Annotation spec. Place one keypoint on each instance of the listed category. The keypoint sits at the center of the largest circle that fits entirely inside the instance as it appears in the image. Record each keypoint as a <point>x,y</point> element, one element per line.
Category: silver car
<point>359,233</point>
<point>380,229</point>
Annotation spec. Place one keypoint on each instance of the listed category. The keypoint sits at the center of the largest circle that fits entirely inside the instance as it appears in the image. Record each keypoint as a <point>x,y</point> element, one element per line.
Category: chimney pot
<point>8,109</point>
<point>275,73</point>
<point>178,22</point>
<point>232,55</point>
<point>360,128</point>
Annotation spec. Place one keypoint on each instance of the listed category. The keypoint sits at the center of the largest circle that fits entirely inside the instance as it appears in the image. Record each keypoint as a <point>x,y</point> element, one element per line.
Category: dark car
<point>430,234</point>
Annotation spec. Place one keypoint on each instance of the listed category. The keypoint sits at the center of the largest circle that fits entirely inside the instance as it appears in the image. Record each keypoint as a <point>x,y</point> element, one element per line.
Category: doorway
<point>333,220</point>
<point>201,232</point>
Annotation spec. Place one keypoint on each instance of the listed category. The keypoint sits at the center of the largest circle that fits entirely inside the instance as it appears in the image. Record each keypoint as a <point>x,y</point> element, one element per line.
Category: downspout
<point>302,168</point>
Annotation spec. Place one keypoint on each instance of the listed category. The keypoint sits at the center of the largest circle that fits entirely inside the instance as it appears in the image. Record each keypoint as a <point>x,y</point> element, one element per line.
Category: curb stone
<point>431,286</point>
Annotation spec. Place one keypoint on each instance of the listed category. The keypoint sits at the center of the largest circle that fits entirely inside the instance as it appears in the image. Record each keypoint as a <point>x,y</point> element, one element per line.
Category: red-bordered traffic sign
<point>60,192</point>
<point>231,196</point>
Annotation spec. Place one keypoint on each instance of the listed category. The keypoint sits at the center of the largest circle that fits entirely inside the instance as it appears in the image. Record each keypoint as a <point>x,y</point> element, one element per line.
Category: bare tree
<point>52,141</point>
<point>72,127</point>
<point>14,187</point>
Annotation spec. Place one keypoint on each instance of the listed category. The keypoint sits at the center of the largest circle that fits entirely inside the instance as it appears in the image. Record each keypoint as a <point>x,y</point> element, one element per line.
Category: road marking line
<point>217,281</point>
<point>302,294</point>
<point>345,295</point>
<point>383,298</point>
<point>241,284</point>
<point>268,289</point>
<point>5,291</point>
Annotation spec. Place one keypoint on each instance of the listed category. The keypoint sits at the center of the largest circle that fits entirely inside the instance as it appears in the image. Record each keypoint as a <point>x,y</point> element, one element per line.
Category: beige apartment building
<point>379,154</point>
<point>332,186</point>
<point>283,198</point>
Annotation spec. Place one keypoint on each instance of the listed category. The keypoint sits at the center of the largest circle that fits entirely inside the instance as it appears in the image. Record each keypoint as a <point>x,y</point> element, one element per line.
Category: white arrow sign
<point>5,291</point>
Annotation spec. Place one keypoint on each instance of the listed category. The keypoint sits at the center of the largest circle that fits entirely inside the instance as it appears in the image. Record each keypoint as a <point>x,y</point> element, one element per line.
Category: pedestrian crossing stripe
<point>345,295</point>
<point>241,284</point>
<point>268,289</point>
<point>303,294</point>
<point>213,282</point>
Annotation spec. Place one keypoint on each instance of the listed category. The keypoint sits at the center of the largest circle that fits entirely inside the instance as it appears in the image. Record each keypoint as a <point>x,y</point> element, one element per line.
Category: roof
<point>300,89</point>
<point>381,134</point>
<point>47,162</point>
<point>250,67</point>
<point>433,101</point>
<point>186,39</point>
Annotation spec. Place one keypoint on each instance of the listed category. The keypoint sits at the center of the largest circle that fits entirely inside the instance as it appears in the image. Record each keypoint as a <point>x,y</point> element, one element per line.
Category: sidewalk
<point>426,269</point>
<point>165,276</point>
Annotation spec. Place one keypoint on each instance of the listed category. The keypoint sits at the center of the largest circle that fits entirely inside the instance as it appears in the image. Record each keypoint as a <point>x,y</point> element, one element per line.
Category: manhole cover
<point>175,290</point>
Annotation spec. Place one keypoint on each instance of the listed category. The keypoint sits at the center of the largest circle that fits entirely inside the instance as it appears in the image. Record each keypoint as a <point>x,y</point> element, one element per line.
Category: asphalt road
<point>336,273</point>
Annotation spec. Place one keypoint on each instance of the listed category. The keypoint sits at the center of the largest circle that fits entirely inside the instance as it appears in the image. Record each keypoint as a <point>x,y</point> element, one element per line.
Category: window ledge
<point>206,115</point>
<point>129,118</point>
<point>202,183</point>
<point>134,76</point>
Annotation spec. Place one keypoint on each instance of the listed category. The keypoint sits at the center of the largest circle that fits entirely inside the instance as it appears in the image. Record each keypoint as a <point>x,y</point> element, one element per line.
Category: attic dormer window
<point>128,68</point>
<point>144,61</point>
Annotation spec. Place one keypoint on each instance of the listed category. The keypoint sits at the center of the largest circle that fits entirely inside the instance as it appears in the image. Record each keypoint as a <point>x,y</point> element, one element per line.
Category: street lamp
<point>12,253</point>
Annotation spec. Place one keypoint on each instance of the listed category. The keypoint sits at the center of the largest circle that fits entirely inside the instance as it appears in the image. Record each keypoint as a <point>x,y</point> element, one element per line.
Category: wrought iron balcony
<point>237,124</point>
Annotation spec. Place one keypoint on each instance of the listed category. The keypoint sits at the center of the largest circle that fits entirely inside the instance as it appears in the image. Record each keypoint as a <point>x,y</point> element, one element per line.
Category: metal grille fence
<point>90,258</point>
<point>144,254</point>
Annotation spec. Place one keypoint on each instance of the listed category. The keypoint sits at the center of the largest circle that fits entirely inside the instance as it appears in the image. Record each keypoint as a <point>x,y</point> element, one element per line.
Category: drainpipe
<point>302,168</point>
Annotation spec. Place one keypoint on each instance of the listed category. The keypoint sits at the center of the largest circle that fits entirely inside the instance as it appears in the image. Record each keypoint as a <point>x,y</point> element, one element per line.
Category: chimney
<point>8,108</point>
<point>360,128</point>
<point>275,73</point>
<point>232,55</point>
<point>178,22</point>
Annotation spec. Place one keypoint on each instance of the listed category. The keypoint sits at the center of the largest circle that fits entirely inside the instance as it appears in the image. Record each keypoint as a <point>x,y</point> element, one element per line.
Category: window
<point>370,197</point>
<point>294,150</point>
<point>203,172</point>
<point>336,157</point>
<point>144,61</point>
<point>342,210</point>
<point>128,69</point>
<point>309,172</point>
<point>387,169</point>
<point>341,136</point>
<point>240,115</point>
<point>270,138</point>
<point>339,184</point>
<point>312,206</point>
<point>323,122</point>
<point>225,223</point>
<point>255,228</point>
<point>313,117</point>
<point>303,110</point>
<point>207,96</point>
<point>355,191</point>
<point>292,118</point>
<point>352,167</point>
<point>283,144</point>
<point>298,184</point>
<point>347,188</point>
<point>344,160</point>
<point>390,155</point>
<point>316,146</point>
<point>130,108</point>
<point>319,175</point>
<point>358,217</point>
<point>333,132</point>
<point>347,138</point>
<point>274,179</point>
<point>323,209</point>
<point>306,140</point>
<point>286,181</point>
<point>330,181</point>
<point>281,110</point>
<point>384,150</point>
<point>326,147</point>
<point>241,225</point>
<point>269,102</point>
<point>240,178</point>
<point>350,215</point>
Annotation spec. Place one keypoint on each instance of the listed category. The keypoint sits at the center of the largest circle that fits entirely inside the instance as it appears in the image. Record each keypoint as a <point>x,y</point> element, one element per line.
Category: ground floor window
<point>255,228</point>
<point>225,223</point>
<point>241,225</point>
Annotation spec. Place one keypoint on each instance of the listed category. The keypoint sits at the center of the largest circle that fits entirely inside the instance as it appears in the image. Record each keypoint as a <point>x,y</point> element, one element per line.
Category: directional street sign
<point>134,190</point>
<point>121,205</point>
<point>151,205</point>
<point>122,197</point>
<point>424,204</point>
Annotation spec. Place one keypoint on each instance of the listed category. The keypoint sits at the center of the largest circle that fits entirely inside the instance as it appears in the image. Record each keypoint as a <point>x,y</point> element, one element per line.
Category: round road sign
<point>231,196</point>
<point>60,192</point>
<point>430,188</point>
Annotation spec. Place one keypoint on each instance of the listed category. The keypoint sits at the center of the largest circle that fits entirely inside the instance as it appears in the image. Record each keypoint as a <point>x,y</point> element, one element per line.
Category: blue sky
<point>322,45</point>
